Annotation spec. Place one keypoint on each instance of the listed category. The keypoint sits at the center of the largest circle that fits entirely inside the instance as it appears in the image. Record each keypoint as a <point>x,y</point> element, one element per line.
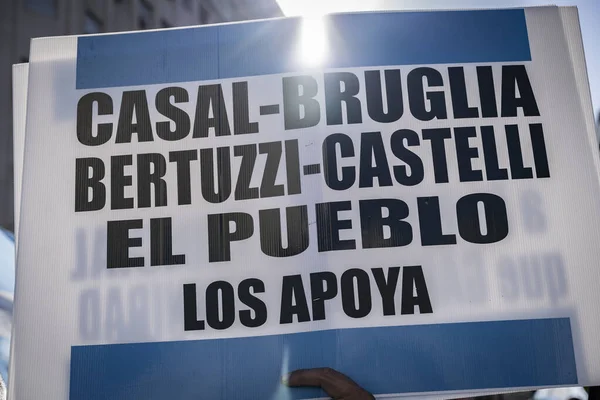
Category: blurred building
<point>21,20</point>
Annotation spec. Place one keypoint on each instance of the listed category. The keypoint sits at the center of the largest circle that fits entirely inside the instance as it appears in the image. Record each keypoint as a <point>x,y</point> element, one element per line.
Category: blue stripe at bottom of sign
<point>420,358</point>
<point>285,45</point>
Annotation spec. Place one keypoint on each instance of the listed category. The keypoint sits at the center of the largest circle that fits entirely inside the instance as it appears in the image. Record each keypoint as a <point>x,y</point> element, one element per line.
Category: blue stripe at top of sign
<point>409,359</point>
<point>271,46</point>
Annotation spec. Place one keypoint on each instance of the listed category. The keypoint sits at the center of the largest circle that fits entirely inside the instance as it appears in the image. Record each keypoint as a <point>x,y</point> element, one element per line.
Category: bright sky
<point>589,14</point>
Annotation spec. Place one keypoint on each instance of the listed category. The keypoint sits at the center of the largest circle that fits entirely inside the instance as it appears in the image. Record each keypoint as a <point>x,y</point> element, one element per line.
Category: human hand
<point>334,383</point>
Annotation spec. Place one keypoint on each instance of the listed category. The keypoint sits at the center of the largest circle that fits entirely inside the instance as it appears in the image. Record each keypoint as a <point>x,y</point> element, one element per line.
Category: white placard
<point>199,205</point>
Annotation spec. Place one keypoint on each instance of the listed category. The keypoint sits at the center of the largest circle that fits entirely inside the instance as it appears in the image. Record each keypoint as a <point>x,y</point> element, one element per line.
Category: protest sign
<point>409,198</point>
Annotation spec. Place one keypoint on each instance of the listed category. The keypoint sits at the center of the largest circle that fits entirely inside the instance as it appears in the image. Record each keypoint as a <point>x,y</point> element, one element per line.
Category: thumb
<point>334,383</point>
